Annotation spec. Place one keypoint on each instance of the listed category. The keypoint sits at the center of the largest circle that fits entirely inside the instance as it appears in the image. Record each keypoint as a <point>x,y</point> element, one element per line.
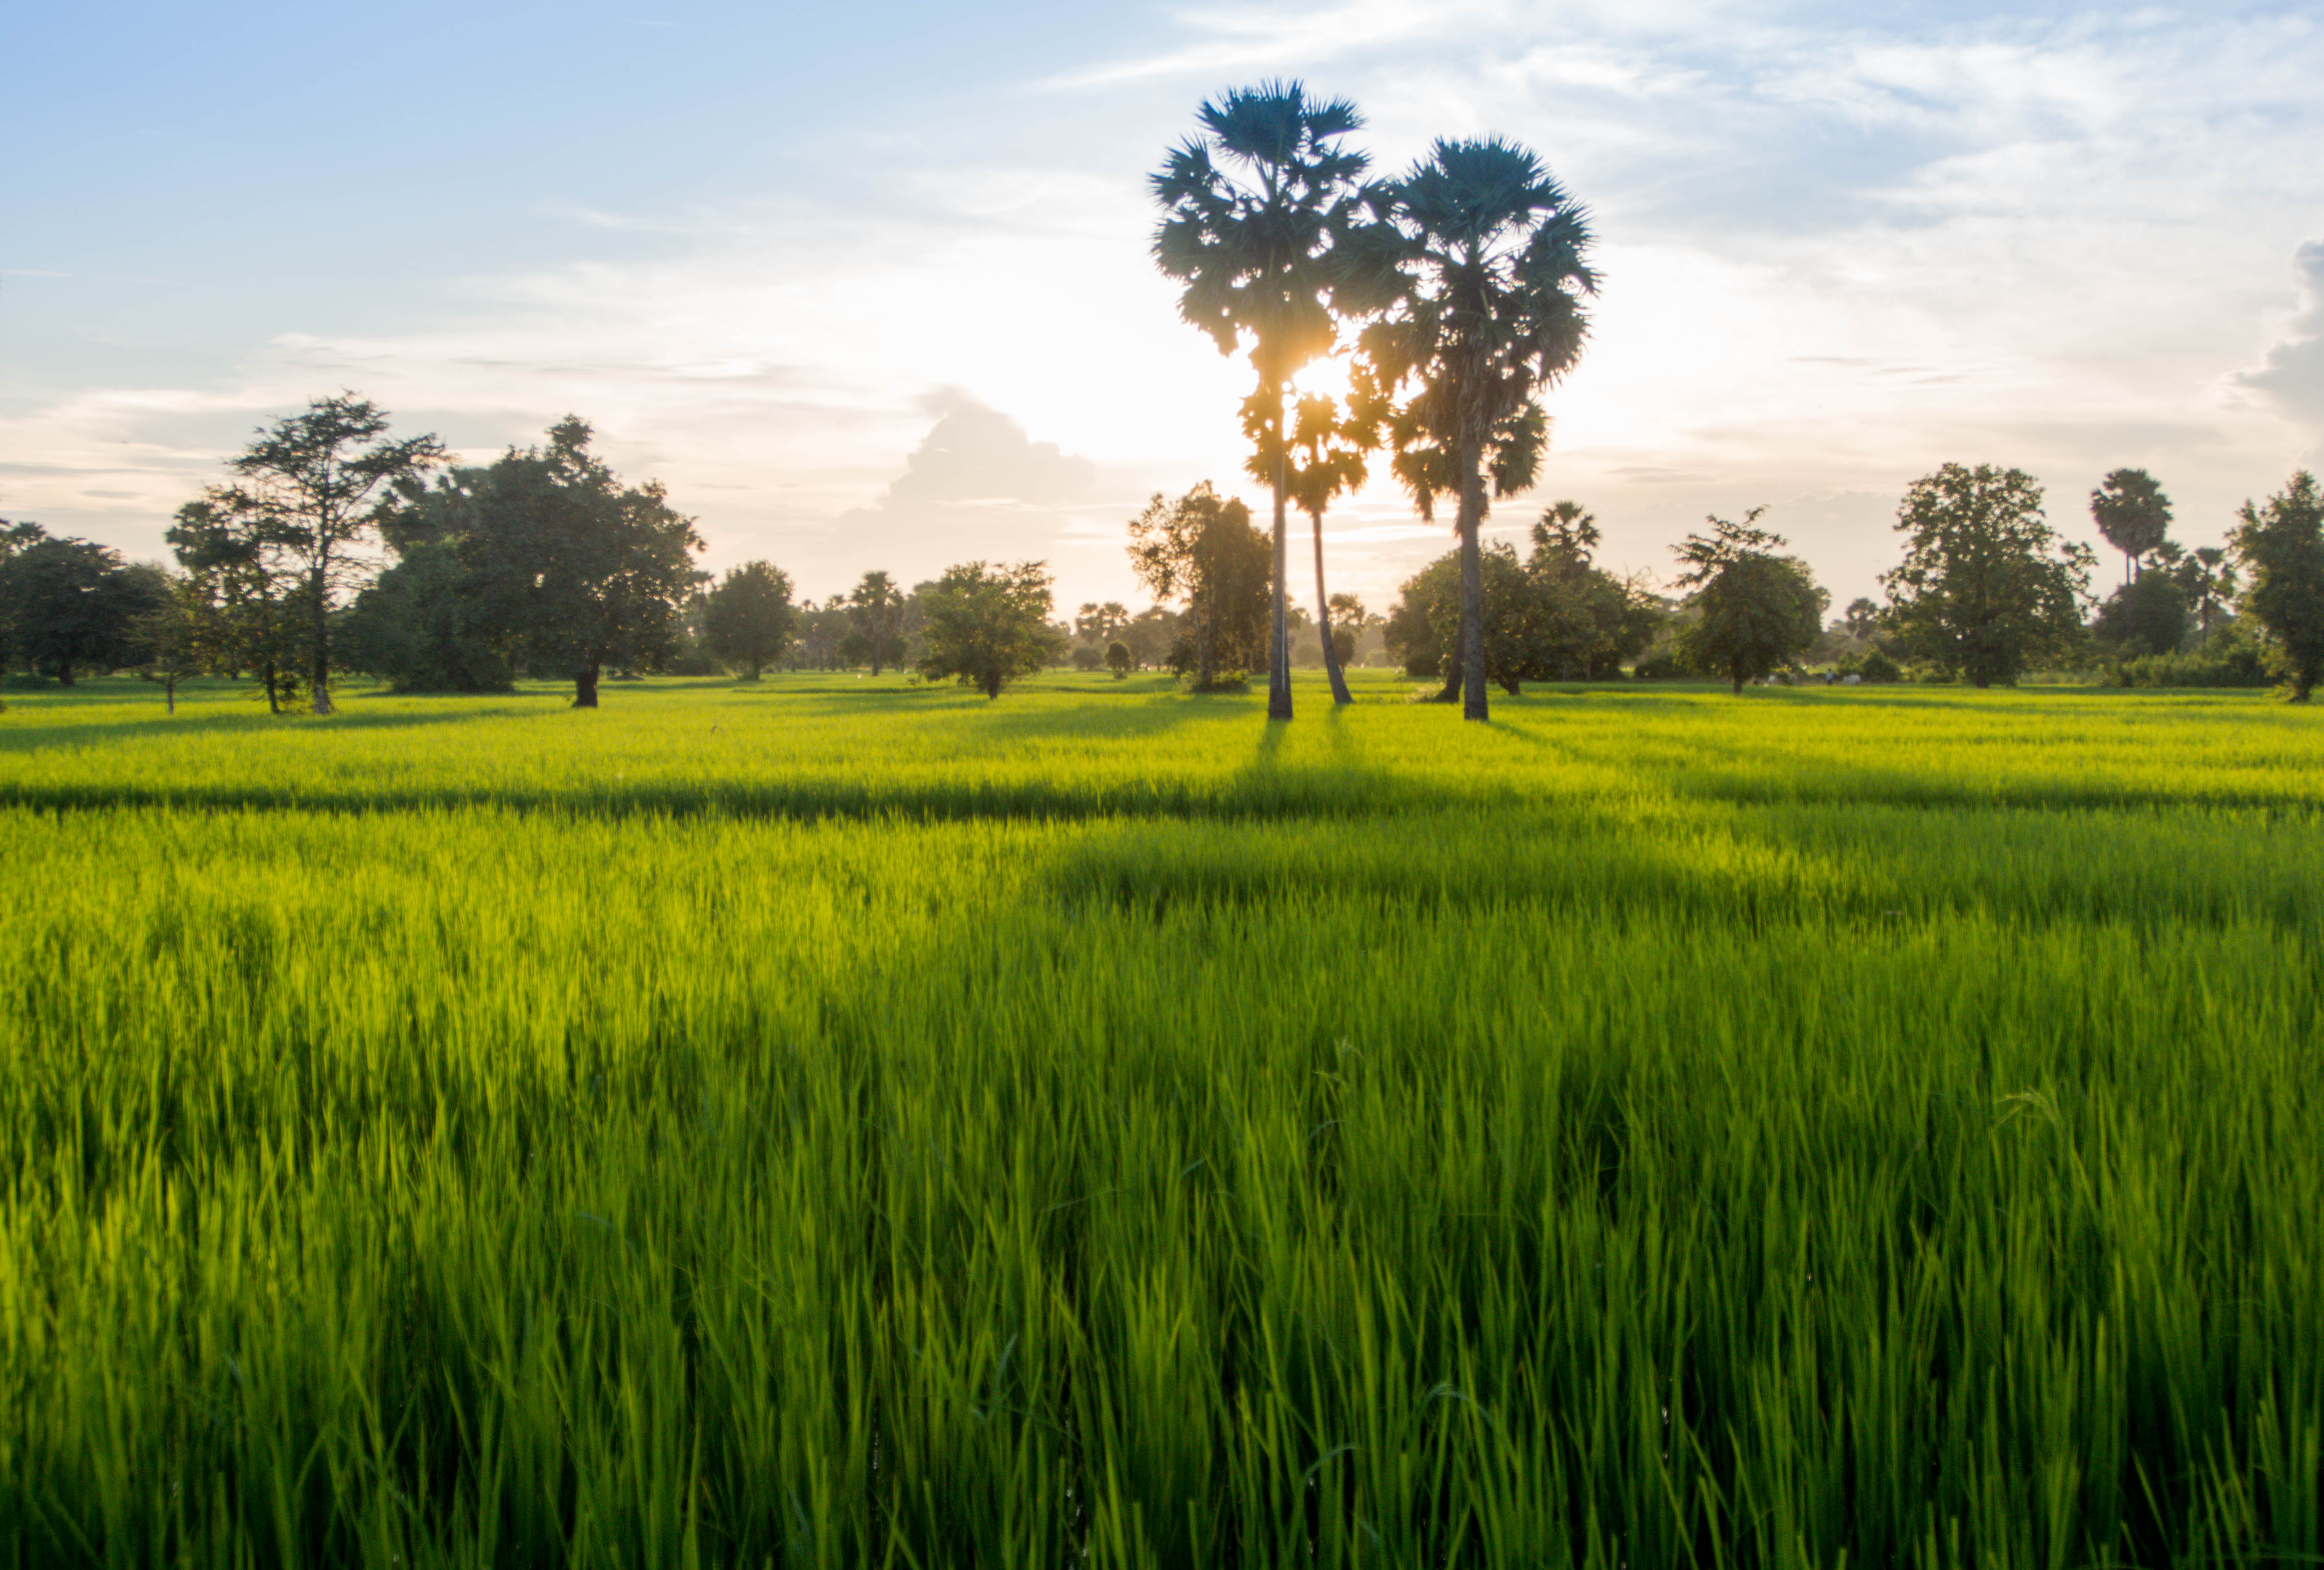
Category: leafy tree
<point>876,613</point>
<point>2148,615</point>
<point>1491,317</point>
<point>13,538</point>
<point>1425,630</point>
<point>2282,546</point>
<point>248,595</point>
<point>556,556</point>
<point>1861,619</point>
<point>749,618</point>
<point>307,487</point>
<point>71,605</point>
<point>1985,585</point>
<point>1117,658</point>
<point>988,624</point>
<point>1585,620</point>
<point>1201,549</point>
<point>1271,253</point>
<point>1754,610</point>
<point>168,636</point>
<point>2134,514</point>
<point>431,623</point>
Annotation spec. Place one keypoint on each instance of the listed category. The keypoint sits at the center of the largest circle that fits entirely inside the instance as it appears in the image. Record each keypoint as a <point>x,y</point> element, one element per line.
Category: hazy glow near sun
<point>1326,378</point>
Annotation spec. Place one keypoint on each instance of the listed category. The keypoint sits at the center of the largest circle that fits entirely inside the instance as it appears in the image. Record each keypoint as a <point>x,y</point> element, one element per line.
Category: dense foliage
<point>1752,611</point>
<point>544,556</point>
<point>1986,588</point>
<point>1201,551</point>
<point>988,625</point>
<point>749,618</point>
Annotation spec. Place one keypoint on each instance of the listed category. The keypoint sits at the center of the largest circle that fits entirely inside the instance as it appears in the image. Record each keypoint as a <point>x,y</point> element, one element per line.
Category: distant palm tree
<point>2134,514</point>
<point>1492,317</point>
<point>1274,254</point>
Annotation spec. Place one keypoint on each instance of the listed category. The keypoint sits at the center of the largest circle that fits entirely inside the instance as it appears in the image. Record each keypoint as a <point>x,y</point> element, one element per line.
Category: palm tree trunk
<point>584,686</point>
<point>1323,618</point>
<point>1278,659</point>
<point>1474,705</point>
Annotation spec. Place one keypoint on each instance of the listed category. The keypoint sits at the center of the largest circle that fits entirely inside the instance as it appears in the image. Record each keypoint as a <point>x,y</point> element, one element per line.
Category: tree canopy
<point>988,624</point>
<point>2134,514</point>
<point>303,499</point>
<point>1986,586</point>
<point>71,606</point>
<point>1755,610</point>
<point>1199,550</point>
<point>749,618</point>
<point>552,557</point>
<point>2281,544</point>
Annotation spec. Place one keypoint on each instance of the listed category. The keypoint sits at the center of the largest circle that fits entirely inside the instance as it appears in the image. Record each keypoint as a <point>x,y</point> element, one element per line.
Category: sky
<point>869,286</point>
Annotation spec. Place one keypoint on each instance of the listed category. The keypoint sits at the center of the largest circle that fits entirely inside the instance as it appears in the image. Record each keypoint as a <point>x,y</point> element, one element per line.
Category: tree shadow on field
<point>34,737</point>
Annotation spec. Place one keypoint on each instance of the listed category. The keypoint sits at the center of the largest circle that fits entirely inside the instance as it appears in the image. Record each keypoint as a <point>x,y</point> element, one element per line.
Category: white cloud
<point>2292,374</point>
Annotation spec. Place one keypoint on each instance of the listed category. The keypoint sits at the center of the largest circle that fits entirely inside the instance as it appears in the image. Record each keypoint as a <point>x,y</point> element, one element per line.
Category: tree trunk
<point>1323,618</point>
<point>585,688</point>
<point>1278,659</point>
<point>319,698</point>
<point>266,675</point>
<point>1738,682</point>
<point>1450,691</point>
<point>992,684</point>
<point>1474,703</point>
<point>64,676</point>
<point>170,694</point>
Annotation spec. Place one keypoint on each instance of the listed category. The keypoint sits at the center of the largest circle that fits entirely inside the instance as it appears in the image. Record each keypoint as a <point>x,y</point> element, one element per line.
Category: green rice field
<point>840,1122</point>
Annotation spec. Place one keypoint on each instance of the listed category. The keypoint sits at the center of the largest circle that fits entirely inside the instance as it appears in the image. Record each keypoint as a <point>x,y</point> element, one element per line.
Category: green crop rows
<point>839,1123</point>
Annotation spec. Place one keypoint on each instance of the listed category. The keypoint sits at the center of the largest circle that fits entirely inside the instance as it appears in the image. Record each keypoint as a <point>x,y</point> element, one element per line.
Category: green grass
<point>840,1123</point>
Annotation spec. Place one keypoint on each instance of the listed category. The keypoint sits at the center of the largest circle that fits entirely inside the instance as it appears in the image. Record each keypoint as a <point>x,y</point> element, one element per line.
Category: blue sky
<point>867,286</point>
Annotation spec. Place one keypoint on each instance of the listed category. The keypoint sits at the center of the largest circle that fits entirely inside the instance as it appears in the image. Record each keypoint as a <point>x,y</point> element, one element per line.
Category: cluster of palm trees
<point>1455,291</point>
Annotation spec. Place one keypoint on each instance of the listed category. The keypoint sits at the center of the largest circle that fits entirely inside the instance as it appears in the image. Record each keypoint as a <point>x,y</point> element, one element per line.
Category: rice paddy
<point>841,1122</point>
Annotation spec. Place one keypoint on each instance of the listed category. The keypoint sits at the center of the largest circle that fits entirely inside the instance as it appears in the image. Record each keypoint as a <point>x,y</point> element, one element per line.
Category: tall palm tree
<point>1492,317</point>
<point>1268,227</point>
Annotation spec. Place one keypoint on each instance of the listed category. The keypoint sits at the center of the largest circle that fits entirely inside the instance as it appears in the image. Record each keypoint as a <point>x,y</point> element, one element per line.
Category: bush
<point>1219,681</point>
<point>1878,667</point>
<point>2237,664</point>
<point>692,662</point>
<point>1663,665</point>
<point>1088,657</point>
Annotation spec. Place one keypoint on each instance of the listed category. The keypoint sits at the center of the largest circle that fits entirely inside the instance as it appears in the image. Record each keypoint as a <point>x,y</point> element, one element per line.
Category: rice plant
<point>871,1127</point>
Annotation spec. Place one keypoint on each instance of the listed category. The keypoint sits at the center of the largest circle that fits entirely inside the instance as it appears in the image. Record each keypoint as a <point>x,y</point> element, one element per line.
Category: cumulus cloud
<point>977,485</point>
<point>2292,374</point>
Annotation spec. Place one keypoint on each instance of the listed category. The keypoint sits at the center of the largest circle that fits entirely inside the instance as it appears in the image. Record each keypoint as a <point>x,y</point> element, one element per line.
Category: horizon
<point>875,291</point>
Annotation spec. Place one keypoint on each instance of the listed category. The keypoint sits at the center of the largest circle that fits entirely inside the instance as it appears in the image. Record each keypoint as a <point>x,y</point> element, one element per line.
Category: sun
<point>1327,376</point>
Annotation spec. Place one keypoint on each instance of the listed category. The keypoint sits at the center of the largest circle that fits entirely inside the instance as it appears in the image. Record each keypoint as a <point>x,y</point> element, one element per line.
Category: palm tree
<point>1492,317</point>
<point>2134,514</point>
<point>1272,251</point>
<point>1326,457</point>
